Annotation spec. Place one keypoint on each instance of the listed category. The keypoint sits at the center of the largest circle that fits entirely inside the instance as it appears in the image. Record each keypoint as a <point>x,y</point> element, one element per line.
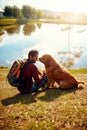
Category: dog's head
<point>45,59</point>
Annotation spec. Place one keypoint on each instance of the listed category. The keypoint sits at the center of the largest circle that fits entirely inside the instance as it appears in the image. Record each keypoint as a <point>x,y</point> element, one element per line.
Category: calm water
<point>67,44</point>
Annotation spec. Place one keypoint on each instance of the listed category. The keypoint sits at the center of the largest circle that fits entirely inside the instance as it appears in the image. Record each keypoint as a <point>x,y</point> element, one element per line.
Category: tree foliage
<point>15,12</point>
<point>26,12</point>
<point>8,11</point>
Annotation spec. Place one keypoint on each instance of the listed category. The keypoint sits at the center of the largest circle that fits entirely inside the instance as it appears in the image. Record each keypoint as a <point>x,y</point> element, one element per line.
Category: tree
<point>39,14</point>
<point>15,12</point>
<point>8,11</point>
<point>34,14</point>
<point>27,11</point>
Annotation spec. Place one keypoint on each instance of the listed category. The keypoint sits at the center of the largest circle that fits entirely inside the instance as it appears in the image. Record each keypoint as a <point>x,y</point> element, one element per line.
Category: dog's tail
<point>81,84</point>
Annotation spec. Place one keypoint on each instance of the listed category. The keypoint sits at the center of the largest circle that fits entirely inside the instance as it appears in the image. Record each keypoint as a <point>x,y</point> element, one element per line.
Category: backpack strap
<point>27,63</point>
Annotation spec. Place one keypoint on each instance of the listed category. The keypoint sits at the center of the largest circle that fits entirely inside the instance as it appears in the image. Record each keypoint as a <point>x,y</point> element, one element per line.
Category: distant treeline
<point>26,12</point>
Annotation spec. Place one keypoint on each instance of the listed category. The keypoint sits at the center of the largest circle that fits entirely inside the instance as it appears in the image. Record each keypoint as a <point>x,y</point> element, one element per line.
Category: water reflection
<point>13,30</point>
<point>1,32</point>
<point>69,27</point>
<point>82,29</point>
<point>62,41</point>
<point>1,35</point>
<point>68,58</point>
<point>39,25</point>
<point>29,28</point>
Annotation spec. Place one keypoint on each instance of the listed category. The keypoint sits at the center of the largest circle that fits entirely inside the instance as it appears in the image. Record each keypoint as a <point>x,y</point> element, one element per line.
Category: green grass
<point>48,109</point>
<point>7,21</point>
<point>81,70</point>
<point>11,21</point>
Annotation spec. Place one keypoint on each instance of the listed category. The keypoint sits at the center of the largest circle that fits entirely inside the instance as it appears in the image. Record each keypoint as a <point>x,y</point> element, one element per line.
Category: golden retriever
<point>57,73</point>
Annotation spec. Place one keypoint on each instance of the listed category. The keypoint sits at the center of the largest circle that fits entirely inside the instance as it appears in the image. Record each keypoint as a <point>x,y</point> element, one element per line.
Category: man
<point>31,78</point>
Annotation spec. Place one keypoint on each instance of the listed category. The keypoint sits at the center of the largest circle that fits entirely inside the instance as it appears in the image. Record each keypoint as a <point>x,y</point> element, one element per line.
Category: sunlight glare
<point>76,6</point>
<point>61,5</point>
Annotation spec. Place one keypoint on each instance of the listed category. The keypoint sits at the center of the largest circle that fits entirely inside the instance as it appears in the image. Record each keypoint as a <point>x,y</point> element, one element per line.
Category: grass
<point>7,21</point>
<point>11,21</point>
<point>47,109</point>
<point>82,70</point>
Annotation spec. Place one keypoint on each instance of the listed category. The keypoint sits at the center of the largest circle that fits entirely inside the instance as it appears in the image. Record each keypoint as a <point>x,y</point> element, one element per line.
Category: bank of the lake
<point>10,21</point>
<point>4,22</point>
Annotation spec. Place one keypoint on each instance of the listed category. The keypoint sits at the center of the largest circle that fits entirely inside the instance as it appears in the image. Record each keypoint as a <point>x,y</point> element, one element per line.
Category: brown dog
<point>56,72</point>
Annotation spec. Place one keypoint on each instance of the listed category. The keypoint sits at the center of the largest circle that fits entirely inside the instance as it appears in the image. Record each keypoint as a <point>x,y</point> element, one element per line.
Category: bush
<point>22,20</point>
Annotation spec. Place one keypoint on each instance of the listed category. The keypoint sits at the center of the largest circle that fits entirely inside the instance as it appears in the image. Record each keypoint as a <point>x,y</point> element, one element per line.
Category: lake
<point>66,43</point>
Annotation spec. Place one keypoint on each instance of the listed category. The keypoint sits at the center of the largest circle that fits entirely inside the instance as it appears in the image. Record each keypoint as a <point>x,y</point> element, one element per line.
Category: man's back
<point>29,73</point>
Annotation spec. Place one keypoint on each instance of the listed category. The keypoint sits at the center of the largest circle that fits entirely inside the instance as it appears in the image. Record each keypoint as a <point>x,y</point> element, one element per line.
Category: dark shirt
<point>29,74</point>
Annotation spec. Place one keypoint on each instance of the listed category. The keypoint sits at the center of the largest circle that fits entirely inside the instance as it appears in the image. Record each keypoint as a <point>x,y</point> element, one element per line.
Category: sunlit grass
<point>81,70</point>
<point>48,109</point>
<point>7,21</point>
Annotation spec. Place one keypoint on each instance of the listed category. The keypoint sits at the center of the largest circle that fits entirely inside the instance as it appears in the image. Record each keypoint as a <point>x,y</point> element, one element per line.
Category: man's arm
<point>37,75</point>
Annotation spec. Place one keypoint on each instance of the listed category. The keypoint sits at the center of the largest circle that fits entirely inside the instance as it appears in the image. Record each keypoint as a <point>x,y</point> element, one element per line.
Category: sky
<point>76,6</point>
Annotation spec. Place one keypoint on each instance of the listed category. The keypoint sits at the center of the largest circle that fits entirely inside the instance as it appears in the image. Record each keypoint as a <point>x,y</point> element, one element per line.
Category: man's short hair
<point>32,53</point>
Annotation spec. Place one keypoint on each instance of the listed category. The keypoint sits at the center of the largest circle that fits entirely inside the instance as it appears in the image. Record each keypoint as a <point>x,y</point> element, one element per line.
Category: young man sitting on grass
<point>31,78</point>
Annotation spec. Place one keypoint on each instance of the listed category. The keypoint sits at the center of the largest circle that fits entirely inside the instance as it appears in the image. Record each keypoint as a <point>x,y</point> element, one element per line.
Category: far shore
<point>6,22</point>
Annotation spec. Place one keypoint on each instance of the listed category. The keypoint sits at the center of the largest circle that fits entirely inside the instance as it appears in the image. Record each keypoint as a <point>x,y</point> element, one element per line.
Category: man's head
<point>33,55</point>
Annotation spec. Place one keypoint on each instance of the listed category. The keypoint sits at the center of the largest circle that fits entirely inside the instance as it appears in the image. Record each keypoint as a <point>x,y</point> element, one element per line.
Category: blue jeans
<point>36,87</point>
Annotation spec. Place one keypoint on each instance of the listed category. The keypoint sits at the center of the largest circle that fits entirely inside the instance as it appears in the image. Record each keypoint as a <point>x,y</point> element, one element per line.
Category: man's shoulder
<point>31,65</point>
